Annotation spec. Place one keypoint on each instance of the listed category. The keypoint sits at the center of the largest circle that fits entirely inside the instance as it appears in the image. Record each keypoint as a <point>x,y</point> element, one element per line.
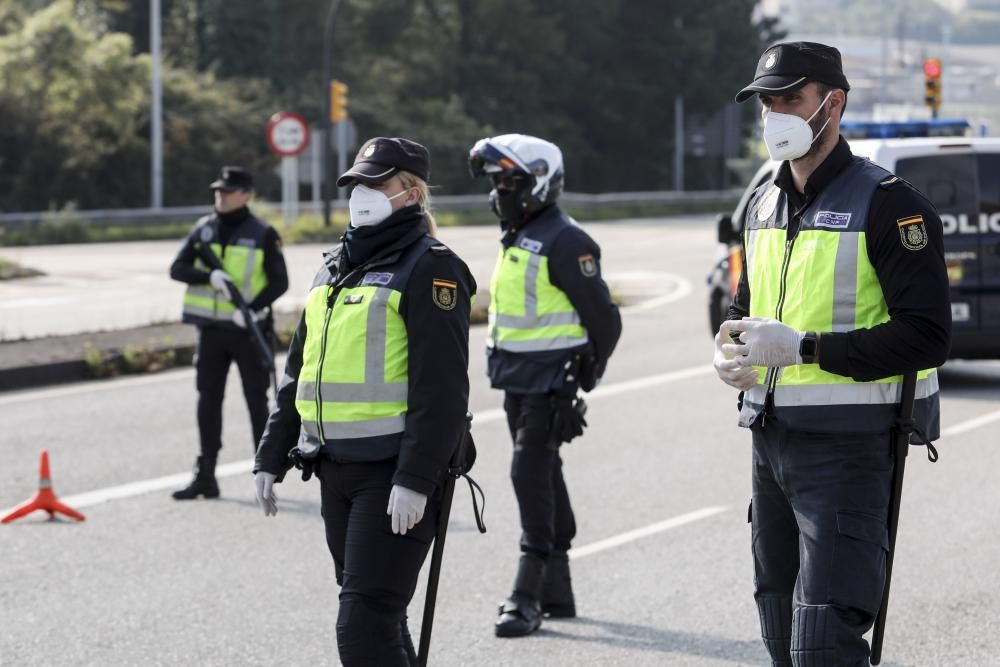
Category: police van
<point>961,177</point>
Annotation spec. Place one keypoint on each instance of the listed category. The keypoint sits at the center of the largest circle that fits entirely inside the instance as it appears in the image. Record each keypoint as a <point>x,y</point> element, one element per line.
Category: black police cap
<point>787,67</point>
<point>381,158</point>
<point>232,179</point>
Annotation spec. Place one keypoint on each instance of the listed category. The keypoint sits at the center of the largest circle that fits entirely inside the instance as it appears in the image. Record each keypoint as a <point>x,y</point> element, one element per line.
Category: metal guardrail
<point>141,216</point>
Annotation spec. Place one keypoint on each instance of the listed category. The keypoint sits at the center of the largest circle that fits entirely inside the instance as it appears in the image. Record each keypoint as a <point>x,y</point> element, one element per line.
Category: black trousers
<point>377,570</point>
<point>820,539</point>
<point>217,349</point>
<point>547,522</point>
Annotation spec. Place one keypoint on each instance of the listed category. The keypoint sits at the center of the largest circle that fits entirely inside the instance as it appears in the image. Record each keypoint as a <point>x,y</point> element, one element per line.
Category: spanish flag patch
<point>912,232</point>
<point>444,293</point>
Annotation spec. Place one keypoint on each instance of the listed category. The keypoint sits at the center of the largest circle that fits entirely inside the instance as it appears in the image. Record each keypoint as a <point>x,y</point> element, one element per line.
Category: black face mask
<point>506,204</point>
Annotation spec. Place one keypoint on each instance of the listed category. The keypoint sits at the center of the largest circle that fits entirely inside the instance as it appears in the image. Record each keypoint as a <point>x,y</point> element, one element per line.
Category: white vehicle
<point>961,177</point>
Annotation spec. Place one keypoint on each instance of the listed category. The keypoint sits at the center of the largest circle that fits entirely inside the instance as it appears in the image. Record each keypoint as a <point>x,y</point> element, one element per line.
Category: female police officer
<point>375,395</point>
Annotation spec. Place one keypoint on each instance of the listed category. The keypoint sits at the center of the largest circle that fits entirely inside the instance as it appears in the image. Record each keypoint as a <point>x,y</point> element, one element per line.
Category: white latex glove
<point>218,279</point>
<point>241,321</point>
<point>266,497</point>
<point>732,370</point>
<point>406,507</point>
<point>767,343</point>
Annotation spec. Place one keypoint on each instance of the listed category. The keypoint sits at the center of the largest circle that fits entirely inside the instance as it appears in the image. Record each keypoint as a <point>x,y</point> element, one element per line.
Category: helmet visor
<point>488,159</point>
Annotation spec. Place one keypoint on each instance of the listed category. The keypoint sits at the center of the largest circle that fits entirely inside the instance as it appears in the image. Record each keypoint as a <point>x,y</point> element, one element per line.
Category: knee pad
<point>776,627</point>
<point>814,636</point>
<point>369,633</point>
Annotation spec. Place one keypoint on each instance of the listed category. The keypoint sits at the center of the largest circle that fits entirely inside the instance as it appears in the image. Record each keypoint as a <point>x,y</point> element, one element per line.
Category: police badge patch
<point>444,293</point>
<point>912,232</point>
<point>767,203</point>
<point>588,265</point>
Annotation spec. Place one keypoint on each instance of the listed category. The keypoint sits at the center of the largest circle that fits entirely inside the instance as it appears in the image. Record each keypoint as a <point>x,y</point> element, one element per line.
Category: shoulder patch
<point>768,202</point>
<point>588,265</point>
<point>912,232</point>
<point>893,182</point>
<point>444,293</point>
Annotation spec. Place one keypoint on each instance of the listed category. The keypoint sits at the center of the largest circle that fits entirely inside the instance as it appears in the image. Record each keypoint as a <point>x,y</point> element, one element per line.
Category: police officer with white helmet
<point>552,329</point>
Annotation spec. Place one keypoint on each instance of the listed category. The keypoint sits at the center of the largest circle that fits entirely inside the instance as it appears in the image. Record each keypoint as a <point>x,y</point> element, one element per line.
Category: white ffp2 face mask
<point>369,207</point>
<point>787,136</point>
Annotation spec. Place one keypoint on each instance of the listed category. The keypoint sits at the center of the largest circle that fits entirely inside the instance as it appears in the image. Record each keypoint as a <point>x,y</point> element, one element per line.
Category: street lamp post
<point>156,113</point>
<point>327,122</point>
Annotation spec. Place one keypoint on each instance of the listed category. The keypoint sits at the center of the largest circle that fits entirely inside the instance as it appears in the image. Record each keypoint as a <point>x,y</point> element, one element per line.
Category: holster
<point>308,466</point>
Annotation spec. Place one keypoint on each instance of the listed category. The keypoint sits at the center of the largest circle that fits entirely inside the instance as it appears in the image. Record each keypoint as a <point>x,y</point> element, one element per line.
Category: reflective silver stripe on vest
<point>207,313</point>
<point>861,393</point>
<point>251,261</point>
<point>535,321</point>
<point>845,282</point>
<point>531,285</point>
<point>202,291</point>
<point>542,344</point>
<point>353,392</point>
<point>358,429</point>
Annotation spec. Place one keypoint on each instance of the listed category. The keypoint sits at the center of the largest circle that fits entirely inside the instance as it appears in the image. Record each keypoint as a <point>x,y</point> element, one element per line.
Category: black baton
<point>900,446</point>
<point>456,470</point>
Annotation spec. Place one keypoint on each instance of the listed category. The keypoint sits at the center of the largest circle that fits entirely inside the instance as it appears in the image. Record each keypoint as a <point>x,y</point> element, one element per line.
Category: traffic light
<point>338,101</point>
<point>932,84</point>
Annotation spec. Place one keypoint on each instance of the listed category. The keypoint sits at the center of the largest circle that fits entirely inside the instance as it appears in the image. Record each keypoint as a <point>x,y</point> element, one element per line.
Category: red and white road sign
<point>287,134</point>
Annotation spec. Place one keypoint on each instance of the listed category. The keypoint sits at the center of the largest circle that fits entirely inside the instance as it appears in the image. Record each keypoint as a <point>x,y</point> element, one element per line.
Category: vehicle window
<point>989,182</point>
<point>949,181</point>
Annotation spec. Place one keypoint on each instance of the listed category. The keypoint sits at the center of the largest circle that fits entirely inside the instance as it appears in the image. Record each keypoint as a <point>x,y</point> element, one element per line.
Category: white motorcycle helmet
<point>527,173</point>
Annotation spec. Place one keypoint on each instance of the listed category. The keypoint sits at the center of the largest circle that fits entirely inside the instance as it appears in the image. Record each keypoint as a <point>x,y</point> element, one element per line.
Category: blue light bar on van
<point>866,129</point>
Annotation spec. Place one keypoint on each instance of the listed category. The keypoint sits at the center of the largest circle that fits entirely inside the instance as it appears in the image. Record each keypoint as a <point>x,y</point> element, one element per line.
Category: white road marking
<point>971,424</point>
<point>646,531</point>
<point>676,287</point>
<point>244,467</point>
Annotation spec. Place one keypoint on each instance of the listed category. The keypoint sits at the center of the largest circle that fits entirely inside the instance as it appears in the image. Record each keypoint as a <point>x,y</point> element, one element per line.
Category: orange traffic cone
<point>45,499</point>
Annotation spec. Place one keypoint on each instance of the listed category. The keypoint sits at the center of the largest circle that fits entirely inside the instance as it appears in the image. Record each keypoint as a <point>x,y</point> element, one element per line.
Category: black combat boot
<point>411,653</point>
<point>203,484</point>
<point>521,613</point>
<point>557,588</point>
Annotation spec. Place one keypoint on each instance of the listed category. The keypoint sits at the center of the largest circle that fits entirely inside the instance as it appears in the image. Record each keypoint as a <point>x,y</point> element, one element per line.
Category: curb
<point>61,372</point>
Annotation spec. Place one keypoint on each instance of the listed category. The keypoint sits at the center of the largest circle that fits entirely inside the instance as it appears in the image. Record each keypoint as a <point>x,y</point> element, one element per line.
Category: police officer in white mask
<point>844,290</point>
<point>375,394</point>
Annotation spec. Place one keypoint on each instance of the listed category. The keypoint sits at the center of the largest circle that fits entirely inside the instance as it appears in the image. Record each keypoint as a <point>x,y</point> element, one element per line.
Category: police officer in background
<point>846,290</point>
<point>250,252</point>
<point>375,393</point>
<point>552,329</point>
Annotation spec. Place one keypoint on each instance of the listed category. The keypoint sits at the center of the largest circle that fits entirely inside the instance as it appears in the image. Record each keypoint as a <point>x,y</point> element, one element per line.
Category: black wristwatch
<point>809,347</point>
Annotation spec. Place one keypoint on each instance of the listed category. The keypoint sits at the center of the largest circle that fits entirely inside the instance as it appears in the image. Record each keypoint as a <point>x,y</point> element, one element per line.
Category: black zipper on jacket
<point>779,311</point>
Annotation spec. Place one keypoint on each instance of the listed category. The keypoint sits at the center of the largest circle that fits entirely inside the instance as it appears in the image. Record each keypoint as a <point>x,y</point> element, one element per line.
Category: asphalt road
<point>660,484</point>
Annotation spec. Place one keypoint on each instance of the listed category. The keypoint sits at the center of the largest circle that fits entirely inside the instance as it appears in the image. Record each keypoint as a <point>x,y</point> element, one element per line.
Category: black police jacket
<point>438,341</point>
